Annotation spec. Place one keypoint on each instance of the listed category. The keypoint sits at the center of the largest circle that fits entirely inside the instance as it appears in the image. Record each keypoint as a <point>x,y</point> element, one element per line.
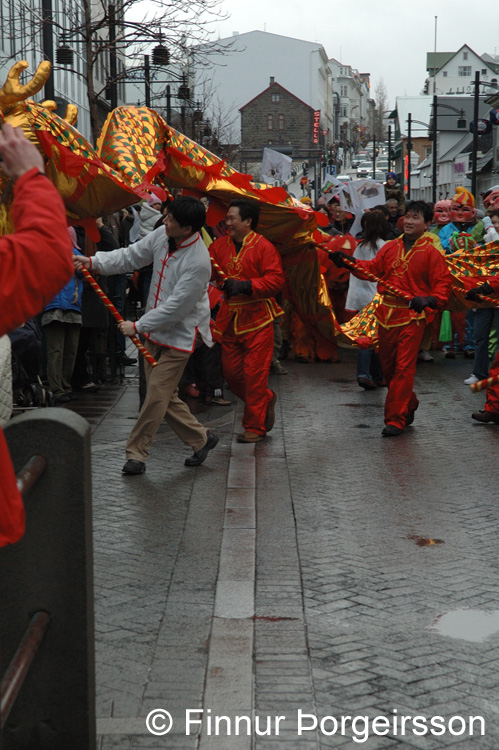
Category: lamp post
<point>409,148</point>
<point>48,44</point>
<point>461,123</point>
<point>477,83</point>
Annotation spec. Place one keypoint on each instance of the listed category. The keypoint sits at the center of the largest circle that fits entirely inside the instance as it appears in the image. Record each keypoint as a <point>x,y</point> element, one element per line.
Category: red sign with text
<point>317,117</point>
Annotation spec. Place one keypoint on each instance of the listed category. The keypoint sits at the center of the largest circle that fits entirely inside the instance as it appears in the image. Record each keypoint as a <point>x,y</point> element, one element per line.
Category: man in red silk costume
<point>244,322</point>
<point>490,413</point>
<point>413,265</point>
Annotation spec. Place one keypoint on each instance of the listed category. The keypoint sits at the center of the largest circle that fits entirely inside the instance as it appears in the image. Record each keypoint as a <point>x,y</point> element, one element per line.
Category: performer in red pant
<point>244,321</point>
<point>412,264</point>
<point>490,413</point>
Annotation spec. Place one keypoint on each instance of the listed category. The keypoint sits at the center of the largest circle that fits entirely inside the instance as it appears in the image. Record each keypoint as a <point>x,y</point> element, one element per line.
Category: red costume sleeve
<point>270,280</point>
<point>36,261</point>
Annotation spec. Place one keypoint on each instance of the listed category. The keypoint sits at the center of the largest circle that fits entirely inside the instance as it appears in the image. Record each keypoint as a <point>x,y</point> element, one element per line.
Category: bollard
<point>15,675</point>
<point>50,571</point>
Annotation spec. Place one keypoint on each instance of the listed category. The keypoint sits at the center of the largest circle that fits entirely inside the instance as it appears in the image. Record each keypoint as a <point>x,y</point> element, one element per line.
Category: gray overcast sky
<point>388,39</point>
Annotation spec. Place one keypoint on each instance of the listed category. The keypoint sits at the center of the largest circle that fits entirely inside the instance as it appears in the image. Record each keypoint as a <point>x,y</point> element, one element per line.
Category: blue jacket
<point>69,298</point>
<point>476,230</point>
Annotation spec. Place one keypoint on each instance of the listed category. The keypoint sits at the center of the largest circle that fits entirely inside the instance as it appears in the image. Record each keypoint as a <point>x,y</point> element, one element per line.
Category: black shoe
<point>409,418</point>
<point>391,431</point>
<point>63,398</point>
<point>128,360</point>
<point>485,416</point>
<point>133,466</point>
<point>199,456</point>
<point>366,383</point>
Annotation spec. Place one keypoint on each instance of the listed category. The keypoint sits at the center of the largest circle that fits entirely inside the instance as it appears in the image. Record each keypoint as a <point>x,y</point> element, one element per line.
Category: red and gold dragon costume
<point>138,149</point>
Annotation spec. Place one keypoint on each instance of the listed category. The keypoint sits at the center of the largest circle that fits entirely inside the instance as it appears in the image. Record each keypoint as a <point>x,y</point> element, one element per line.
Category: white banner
<point>275,166</point>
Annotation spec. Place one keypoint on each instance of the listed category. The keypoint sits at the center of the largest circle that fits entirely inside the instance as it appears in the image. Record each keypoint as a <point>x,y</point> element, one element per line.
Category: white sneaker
<point>471,380</point>
<point>425,356</point>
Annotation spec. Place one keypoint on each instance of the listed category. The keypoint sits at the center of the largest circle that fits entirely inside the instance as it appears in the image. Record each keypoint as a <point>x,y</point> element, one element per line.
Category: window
<point>445,74</point>
<point>484,71</point>
<point>270,122</point>
<point>281,122</point>
<point>344,90</point>
<point>275,98</point>
<point>464,71</point>
<point>465,55</point>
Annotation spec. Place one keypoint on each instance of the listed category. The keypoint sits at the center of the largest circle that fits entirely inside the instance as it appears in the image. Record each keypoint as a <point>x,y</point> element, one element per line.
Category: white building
<point>351,96</point>
<point>453,73</point>
<point>453,146</point>
<point>22,38</point>
<point>36,30</point>
<point>251,58</point>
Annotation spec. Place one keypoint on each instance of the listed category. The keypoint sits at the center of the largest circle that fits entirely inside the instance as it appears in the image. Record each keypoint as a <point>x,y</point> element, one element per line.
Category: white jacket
<point>361,292</point>
<point>5,380</point>
<point>178,303</point>
<point>148,219</point>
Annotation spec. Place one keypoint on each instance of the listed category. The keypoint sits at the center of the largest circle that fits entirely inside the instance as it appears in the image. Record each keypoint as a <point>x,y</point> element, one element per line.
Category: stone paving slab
<point>316,530</point>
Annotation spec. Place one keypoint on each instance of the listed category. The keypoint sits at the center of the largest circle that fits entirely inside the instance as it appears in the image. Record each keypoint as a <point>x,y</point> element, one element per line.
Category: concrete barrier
<point>51,570</point>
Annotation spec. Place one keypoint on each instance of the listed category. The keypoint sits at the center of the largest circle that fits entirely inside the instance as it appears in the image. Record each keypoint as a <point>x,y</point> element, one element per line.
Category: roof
<point>484,161</point>
<point>278,85</point>
<point>436,60</point>
<point>447,117</point>
<point>448,113</point>
<point>420,109</point>
<point>463,145</point>
<point>236,36</point>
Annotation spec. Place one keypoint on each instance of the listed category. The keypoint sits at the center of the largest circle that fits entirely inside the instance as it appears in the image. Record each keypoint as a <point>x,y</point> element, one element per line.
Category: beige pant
<point>162,401</point>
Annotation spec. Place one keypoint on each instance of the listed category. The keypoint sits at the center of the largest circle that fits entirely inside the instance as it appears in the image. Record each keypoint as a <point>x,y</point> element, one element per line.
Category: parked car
<point>344,177</point>
<point>356,159</point>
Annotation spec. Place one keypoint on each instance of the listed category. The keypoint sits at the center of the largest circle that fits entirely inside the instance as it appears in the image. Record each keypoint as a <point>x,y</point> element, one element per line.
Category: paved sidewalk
<point>296,575</point>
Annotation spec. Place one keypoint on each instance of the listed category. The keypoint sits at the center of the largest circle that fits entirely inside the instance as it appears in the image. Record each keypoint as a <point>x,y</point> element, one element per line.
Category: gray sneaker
<point>277,369</point>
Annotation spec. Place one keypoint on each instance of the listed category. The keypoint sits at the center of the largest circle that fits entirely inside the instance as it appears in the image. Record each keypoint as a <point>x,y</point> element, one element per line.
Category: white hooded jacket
<point>178,304</point>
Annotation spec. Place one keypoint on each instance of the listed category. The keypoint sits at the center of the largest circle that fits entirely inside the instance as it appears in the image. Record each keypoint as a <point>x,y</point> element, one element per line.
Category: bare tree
<point>381,99</point>
<point>105,37</point>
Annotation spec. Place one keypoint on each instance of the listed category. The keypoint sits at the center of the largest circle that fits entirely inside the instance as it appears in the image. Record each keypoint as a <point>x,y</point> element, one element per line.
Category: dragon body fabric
<point>137,150</point>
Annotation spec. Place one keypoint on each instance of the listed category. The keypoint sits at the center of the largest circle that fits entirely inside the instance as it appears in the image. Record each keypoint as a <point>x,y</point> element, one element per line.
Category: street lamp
<point>461,123</point>
<point>477,83</point>
<point>65,55</point>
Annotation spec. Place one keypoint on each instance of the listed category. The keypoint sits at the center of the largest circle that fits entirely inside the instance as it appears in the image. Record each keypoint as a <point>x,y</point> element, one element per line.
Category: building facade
<point>453,73</point>
<point>242,71</point>
<point>279,120</point>
<point>35,30</point>
<point>351,97</point>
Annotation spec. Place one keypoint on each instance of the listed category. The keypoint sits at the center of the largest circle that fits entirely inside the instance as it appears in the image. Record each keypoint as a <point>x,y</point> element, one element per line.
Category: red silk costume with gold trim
<point>419,271</point>
<point>245,322</point>
<point>259,262</point>
<point>492,402</point>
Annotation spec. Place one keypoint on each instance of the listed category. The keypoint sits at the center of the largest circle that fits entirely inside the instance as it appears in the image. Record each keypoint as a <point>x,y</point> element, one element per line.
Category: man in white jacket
<point>177,309</point>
